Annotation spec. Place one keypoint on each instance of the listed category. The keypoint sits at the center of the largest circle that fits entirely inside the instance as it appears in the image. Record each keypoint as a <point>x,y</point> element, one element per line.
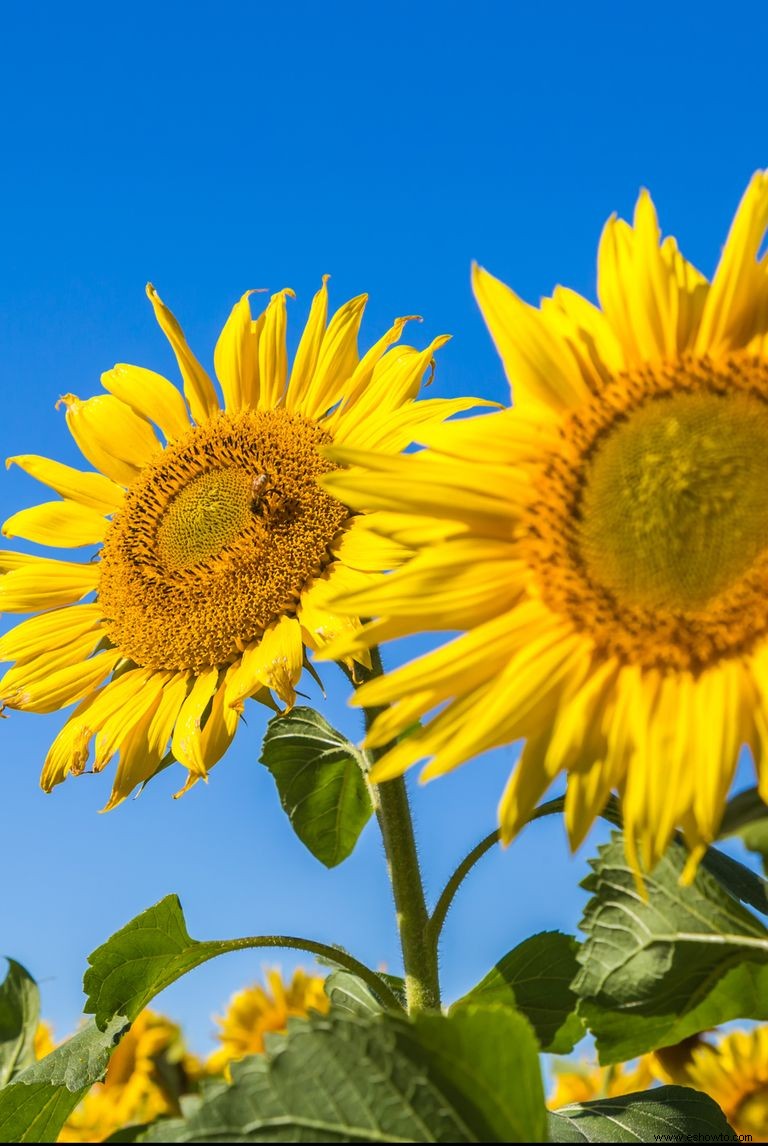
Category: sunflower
<point>218,552</point>
<point>734,1072</point>
<point>147,1073</point>
<point>587,1082</point>
<point>604,544</point>
<point>255,1011</point>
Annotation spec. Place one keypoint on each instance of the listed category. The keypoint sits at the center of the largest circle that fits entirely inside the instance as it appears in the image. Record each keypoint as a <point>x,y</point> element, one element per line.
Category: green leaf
<point>19,1016</point>
<point>155,949</point>
<point>321,781</point>
<point>657,970</point>
<point>35,1106</point>
<point>350,994</point>
<point>746,816</point>
<point>142,958</point>
<point>535,978</point>
<point>470,1077</point>
<point>645,1117</point>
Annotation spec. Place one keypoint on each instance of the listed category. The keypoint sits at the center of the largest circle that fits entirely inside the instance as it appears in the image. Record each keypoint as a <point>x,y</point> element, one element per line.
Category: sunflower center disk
<point>675,508</point>
<point>217,539</point>
<point>650,526</point>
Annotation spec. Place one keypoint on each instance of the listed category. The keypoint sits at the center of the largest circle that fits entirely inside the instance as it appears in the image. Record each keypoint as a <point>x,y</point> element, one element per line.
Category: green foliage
<point>471,1077</point>
<point>320,776</point>
<point>746,816</point>
<point>658,969</point>
<point>37,1103</point>
<point>645,1117</point>
<point>138,961</point>
<point>350,995</point>
<point>19,1016</point>
<point>535,978</point>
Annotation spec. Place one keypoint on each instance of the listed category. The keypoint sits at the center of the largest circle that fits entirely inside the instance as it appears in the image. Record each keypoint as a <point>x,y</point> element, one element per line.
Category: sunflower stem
<point>422,985</point>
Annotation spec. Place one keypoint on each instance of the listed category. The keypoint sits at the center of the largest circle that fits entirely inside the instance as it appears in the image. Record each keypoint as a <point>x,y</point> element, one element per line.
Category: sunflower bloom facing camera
<point>219,551</point>
<point>604,543</point>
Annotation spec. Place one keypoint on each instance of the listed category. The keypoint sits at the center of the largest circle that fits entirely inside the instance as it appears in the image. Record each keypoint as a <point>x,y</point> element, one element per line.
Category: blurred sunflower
<point>255,1011</point>
<point>148,1071</point>
<point>605,543</point>
<point>587,1082</point>
<point>734,1072</point>
<point>219,550</point>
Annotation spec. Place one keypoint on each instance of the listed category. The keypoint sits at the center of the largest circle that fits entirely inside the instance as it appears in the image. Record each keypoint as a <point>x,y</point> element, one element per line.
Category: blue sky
<point>211,149</point>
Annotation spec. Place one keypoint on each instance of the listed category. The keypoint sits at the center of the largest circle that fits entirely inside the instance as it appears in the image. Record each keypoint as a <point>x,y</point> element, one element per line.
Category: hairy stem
<point>422,985</point>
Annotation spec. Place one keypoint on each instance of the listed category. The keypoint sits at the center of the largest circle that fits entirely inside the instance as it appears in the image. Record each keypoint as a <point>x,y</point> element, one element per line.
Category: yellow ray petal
<point>447,579</point>
<point>362,374</point>
<point>68,684</point>
<point>186,744</point>
<point>393,431</point>
<point>236,358</point>
<point>11,560</point>
<point>93,490</point>
<point>722,707</point>
<point>198,388</point>
<point>146,744</point>
<point>395,381</point>
<point>272,351</point>
<point>740,283</point>
<point>35,670</point>
<point>149,395</point>
<point>540,367</point>
<point>45,585</point>
<point>276,661</point>
<point>69,751</point>
<point>320,624</point>
<point>588,334</point>
<point>336,360</point>
<point>38,635</point>
<point>109,434</point>
<point>308,351</point>
<point>137,702</point>
<point>430,486</point>
<point>64,523</point>
<point>360,548</point>
<point>218,733</point>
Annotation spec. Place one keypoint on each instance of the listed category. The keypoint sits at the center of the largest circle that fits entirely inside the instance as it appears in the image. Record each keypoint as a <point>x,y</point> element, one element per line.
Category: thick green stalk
<point>422,986</point>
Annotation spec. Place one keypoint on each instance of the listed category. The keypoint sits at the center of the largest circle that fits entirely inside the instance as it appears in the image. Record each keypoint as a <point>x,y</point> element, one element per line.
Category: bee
<point>258,489</point>
<point>267,502</point>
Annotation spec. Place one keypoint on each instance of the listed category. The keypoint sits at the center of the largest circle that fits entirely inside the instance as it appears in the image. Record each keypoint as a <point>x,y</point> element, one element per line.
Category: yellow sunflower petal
<point>218,733</point>
<point>64,687</point>
<point>69,751</point>
<point>236,358</point>
<point>272,351</point>
<point>149,395</point>
<point>45,584</point>
<point>36,669</point>
<point>138,700</point>
<point>275,661</point>
<point>92,490</point>
<point>308,351</point>
<point>396,430</point>
<point>740,283</point>
<point>198,388</point>
<point>64,523</point>
<point>147,742</point>
<point>394,382</point>
<point>109,434</point>
<point>186,744</point>
<point>40,634</point>
<point>336,360</point>
<point>540,367</point>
